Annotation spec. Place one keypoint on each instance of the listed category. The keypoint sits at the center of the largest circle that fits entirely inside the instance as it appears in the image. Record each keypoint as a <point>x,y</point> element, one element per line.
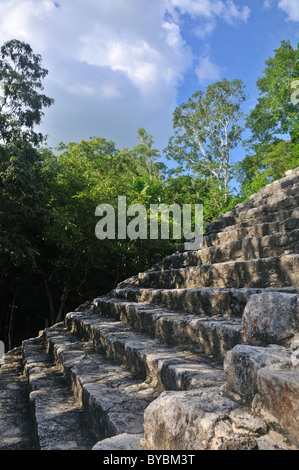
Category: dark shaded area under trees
<point>50,258</point>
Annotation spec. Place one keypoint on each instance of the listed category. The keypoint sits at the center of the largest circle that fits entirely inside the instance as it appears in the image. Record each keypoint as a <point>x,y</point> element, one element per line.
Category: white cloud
<point>109,91</point>
<point>80,89</point>
<point>291,8</point>
<point>204,8</point>
<point>267,4</point>
<point>209,9</point>
<point>205,29</point>
<point>148,49</point>
<point>206,70</point>
<point>137,59</point>
<point>25,20</point>
<point>232,12</point>
<point>104,89</point>
<point>127,52</point>
<point>173,34</point>
<point>114,65</point>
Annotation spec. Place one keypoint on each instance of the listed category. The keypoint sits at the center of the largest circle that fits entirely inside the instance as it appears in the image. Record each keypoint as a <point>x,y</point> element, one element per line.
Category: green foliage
<point>146,155</point>
<point>21,102</point>
<point>206,129</point>
<point>23,209</point>
<point>51,260</point>
<point>23,220</point>
<point>256,171</point>
<point>85,175</point>
<point>275,115</point>
<point>24,213</point>
<point>272,122</point>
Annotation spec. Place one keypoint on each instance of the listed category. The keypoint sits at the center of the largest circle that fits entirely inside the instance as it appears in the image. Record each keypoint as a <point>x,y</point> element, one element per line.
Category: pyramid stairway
<point>199,352</point>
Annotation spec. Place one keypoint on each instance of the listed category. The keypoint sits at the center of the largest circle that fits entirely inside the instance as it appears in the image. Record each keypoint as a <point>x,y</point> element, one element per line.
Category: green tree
<point>206,128</point>
<point>21,102</point>
<point>84,174</point>
<point>76,265</point>
<point>274,124</point>
<point>23,219</point>
<point>256,171</point>
<point>23,201</point>
<point>146,155</point>
<point>275,114</point>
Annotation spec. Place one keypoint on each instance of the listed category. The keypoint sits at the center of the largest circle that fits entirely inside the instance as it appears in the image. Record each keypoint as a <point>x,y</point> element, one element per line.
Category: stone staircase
<point>200,352</point>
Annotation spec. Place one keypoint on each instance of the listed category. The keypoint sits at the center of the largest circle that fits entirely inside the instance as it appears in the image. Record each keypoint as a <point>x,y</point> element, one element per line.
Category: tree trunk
<point>50,300</point>
<point>10,326</point>
<point>63,301</point>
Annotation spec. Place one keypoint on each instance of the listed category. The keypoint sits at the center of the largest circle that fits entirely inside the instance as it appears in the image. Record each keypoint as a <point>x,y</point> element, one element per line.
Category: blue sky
<point>118,65</point>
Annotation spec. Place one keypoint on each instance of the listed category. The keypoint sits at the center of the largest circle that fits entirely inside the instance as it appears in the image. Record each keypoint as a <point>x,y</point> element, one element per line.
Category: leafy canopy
<point>275,114</point>
<point>206,128</point>
<point>274,123</point>
<point>21,102</point>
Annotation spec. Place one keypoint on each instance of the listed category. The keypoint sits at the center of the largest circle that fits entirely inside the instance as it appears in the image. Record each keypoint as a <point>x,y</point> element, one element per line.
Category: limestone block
<point>275,441</point>
<point>199,420</point>
<point>280,392</point>
<point>242,363</point>
<point>120,442</point>
<point>270,318</point>
<point>266,378</point>
<point>295,351</point>
<point>295,358</point>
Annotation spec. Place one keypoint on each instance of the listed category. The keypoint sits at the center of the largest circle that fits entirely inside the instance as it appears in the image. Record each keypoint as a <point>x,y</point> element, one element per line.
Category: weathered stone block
<point>199,420</point>
<point>270,318</point>
<point>120,442</point>
<point>280,392</point>
<point>295,358</point>
<point>242,363</point>
<point>275,441</point>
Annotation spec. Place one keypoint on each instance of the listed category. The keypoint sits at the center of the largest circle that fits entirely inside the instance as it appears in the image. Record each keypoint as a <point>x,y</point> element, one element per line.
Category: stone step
<point>288,221</point>
<point>213,335</point>
<point>282,271</point>
<point>266,224</point>
<point>59,422</point>
<point>207,420</point>
<point>259,209</point>
<point>16,428</point>
<point>290,181</point>
<point>229,303</point>
<point>276,244</point>
<point>268,195</point>
<point>264,218</point>
<point>150,277</point>
<point>161,366</point>
<point>232,218</point>
<point>112,399</point>
<point>267,379</point>
<point>273,192</point>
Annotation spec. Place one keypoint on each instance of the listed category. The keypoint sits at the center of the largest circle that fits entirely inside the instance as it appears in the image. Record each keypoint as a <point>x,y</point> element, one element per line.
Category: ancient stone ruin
<point>201,352</point>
